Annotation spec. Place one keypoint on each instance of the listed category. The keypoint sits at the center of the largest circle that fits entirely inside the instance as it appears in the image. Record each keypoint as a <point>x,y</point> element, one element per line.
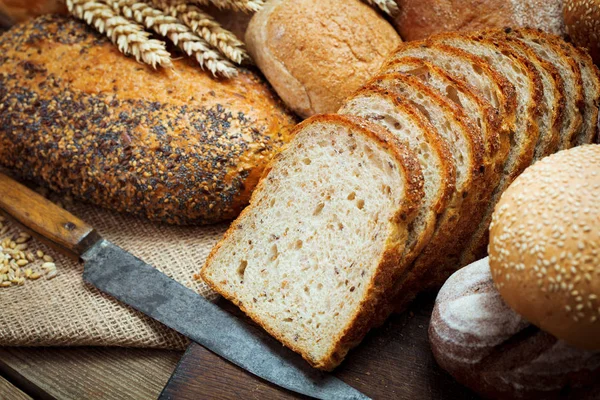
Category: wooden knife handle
<point>42,217</point>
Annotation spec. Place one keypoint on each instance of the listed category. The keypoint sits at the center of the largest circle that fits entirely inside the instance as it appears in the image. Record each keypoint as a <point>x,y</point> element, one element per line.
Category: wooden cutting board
<point>393,362</point>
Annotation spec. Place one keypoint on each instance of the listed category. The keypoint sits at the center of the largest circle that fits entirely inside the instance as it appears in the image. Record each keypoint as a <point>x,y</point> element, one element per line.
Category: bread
<point>470,69</point>
<point>554,50</point>
<point>466,150</point>
<point>405,121</point>
<point>544,246</point>
<point>590,76</point>
<point>529,93</point>
<point>421,19</point>
<point>23,10</point>
<point>319,246</point>
<point>173,146</point>
<point>582,23</point>
<point>552,104</point>
<point>316,53</point>
<point>491,349</point>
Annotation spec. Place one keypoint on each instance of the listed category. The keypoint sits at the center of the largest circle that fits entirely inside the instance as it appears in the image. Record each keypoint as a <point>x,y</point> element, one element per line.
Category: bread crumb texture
<point>173,145</point>
<point>545,245</point>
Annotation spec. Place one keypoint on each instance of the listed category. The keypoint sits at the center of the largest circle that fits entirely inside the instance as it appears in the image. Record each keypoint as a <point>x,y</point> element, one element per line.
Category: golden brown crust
<point>560,47</point>
<point>420,19</point>
<point>582,23</point>
<point>173,146</point>
<point>316,52</point>
<point>390,260</point>
<point>544,246</point>
<point>551,145</point>
<point>504,91</point>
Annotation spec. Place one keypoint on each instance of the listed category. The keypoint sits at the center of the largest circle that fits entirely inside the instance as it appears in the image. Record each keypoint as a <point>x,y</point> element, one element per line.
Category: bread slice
<point>591,96</point>
<point>470,69</point>
<point>552,118</point>
<point>484,116</point>
<point>523,76</point>
<point>406,122</point>
<point>319,246</point>
<point>550,49</point>
<point>466,147</point>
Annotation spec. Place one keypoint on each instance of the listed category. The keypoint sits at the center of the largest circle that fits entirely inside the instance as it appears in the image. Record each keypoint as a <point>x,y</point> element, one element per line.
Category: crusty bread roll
<point>582,22</point>
<point>316,52</point>
<point>491,349</point>
<point>22,10</point>
<point>173,146</point>
<point>545,246</point>
<point>420,19</point>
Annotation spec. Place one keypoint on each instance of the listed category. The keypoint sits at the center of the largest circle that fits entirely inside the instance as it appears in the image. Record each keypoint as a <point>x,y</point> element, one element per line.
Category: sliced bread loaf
<point>550,49</point>
<point>320,245</point>
<point>466,148</point>
<point>552,118</point>
<point>473,70</point>
<point>529,92</point>
<point>406,122</point>
<point>591,96</point>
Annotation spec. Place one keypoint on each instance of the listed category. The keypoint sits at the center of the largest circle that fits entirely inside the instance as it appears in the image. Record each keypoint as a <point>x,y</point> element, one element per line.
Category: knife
<point>118,273</point>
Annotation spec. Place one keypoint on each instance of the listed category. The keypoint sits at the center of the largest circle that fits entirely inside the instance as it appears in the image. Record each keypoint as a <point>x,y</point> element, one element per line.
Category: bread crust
<point>389,263</point>
<point>470,197</point>
<point>172,146</point>
<point>311,56</point>
<point>420,19</point>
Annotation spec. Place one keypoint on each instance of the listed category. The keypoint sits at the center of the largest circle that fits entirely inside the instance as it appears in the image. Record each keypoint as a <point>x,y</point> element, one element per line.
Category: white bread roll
<point>317,52</point>
<point>545,246</point>
<point>582,21</point>
<point>419,19</point>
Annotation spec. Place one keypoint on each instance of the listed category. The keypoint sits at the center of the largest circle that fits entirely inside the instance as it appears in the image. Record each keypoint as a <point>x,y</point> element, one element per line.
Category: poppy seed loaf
<point>173,146</point>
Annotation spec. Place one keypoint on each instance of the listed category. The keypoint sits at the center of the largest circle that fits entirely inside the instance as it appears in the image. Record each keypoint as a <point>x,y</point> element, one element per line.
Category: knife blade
<point>118,273</point>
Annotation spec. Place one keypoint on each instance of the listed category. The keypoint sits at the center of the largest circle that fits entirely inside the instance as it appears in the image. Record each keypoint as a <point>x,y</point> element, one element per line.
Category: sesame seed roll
<point>582,22</point>
<point>545,244</point>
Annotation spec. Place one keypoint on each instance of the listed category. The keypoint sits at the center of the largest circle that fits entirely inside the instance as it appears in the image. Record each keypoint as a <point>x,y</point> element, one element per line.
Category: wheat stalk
<point>130,38</point>
<point>207,27</point>
<point>181,35</point>
<point>390,7</point>
<point>246,6</point>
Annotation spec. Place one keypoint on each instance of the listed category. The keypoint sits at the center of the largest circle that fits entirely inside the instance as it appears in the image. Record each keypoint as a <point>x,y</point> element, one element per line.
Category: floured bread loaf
<point>320,245</point>
<point>491,349</point>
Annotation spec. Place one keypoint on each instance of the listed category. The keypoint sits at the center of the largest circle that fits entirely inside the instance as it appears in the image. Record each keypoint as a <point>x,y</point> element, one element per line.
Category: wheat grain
<point>387,6</point>
<point>246,6</point>
<point>130,38</point>
<point>207,27</point>
<point>181,35</point>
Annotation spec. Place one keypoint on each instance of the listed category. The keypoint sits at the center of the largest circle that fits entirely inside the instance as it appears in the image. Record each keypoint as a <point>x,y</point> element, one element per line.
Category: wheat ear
<point>246,6</point>
<point>390,7</point>
<point>207,27</point>
<point>130,38</point>
<point>181,35</point>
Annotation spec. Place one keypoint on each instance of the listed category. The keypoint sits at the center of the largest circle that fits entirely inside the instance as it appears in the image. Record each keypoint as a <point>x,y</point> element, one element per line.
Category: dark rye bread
<point>332,212</point>
<point>406,122</point>
<point>174,146</point>
<point>553,102</point>
<point>491,349</point>
<point>554,50</point>
<point>466,148</point>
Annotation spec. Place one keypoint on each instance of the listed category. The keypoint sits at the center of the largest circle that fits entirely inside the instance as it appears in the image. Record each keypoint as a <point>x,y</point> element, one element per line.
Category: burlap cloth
<point>65,311</point>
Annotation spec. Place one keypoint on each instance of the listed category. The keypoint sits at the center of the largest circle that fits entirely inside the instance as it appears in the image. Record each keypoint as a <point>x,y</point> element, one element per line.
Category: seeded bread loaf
<point>320,245</point>
<point>174,146</point>
<point>491,349</point>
